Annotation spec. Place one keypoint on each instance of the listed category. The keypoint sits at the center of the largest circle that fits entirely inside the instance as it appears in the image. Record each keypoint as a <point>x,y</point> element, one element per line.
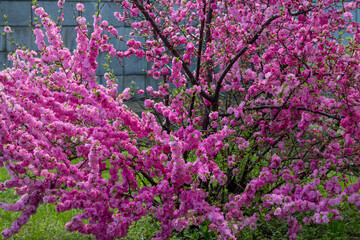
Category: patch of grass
<point>144,229</point>
<point>45,224</point>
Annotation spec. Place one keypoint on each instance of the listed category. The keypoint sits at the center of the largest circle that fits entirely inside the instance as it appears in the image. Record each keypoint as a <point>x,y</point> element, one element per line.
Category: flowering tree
<point>255,119</point>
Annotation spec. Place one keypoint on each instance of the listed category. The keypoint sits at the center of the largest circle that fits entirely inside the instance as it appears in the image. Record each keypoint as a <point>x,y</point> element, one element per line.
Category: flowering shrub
<point>255,118</point>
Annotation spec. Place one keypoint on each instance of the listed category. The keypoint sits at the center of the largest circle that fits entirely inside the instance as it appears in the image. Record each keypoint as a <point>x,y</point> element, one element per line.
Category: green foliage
<point>201,232</point>
<point>144,229</point>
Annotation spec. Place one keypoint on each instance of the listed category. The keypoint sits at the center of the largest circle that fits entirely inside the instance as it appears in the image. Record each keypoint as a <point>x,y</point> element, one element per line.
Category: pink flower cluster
<point>254,118</point>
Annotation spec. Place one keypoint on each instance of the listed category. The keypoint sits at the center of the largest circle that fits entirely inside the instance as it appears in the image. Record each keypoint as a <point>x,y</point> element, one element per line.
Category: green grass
<point>45,224</point>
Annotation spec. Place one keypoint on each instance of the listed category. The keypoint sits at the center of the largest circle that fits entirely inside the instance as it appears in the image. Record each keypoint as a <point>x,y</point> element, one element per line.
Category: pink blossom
<point>248,115</point>
<point>214,115</point>
<point>148,103</point>
<point>149,89</point>
<point>81,20</point>
<point>39,11</point>
<point>6,233</point>
<point>214,124</point>
<point>79,6</point>
<point>60,3</point>
<point>126,93</point>
<point>249,74</point>
<point>7,29</point>
<point>291,81</point>
<point>104,23</point>
<point>348,15</point>
<point>164,71</point>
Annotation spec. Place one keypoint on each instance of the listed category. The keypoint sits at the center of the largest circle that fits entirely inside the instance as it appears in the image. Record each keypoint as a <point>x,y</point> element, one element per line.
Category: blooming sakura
<point>254,118</point>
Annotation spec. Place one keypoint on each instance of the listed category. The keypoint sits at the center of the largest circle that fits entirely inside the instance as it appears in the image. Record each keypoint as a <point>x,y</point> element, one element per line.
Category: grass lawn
<point>46,224</point>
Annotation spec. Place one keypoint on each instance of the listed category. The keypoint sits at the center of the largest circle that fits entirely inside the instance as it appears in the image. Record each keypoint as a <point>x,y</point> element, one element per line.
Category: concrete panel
<point>100,69</point>
<point>119,44</point>
<point>153,83</point>
<point>99,79</point>
<point>73,1</point>
<point>135,65</point>
<point>68,35</point>
<point>18,12</point>
<point>135,81</point>
<point>4,61</point>
<point>120,82</point>
<point>3,41</point>
<point>69,10</point>
<point>107,10</point>
<point>23,36</point>
<point>117,66</point>
<point>193,64</point>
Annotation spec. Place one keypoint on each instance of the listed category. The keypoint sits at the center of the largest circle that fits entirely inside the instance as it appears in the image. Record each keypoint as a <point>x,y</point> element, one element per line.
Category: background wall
<point>21,16</point>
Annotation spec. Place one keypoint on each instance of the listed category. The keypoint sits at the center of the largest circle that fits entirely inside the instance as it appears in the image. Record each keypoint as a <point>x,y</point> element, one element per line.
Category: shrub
<point>255,119</point>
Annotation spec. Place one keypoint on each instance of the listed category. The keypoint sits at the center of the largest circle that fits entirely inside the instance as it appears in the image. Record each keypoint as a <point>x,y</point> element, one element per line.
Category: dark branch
<point>169,46</point>
<point>239,54</point>
<point>298,108</point>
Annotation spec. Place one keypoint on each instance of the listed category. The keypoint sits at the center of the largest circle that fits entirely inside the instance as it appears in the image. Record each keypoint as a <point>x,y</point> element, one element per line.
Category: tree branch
<point>239,54</point>
<point>298,108</point>
<point>169,46</point>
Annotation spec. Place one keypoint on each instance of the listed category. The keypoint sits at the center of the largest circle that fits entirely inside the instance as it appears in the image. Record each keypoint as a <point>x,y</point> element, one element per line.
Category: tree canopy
<point>255,118</point>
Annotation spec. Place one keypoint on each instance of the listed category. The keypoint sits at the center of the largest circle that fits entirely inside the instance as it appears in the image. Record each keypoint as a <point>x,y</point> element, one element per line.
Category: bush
<point>254,121</point>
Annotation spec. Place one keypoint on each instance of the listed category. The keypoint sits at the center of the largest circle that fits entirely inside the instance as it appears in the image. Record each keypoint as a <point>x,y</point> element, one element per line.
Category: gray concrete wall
<point>21,16</point>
